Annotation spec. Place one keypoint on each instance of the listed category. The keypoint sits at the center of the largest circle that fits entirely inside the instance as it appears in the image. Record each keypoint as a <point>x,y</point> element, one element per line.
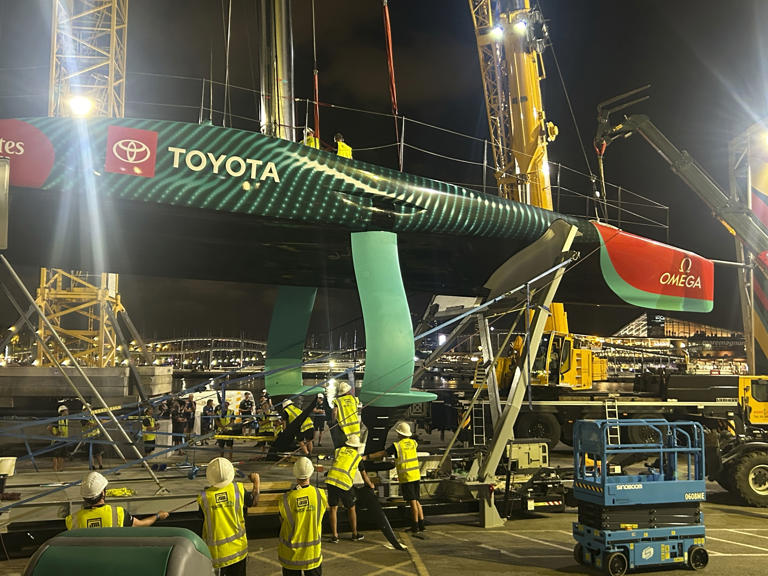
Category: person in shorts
<point>340,485</point>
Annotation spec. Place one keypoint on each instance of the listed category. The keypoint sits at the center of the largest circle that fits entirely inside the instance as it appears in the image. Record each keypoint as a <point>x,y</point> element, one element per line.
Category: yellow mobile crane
<point>510,40</point>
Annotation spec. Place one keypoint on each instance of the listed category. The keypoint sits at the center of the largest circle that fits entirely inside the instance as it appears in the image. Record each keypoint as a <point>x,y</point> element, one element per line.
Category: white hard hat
<point>220,472</point>
<point>247,393</point>
<point>404,429</point>
<point>62,408</point>
<point>320,395</point>
<point>343,388</point>
<point>287,403</point>
<point>93,485</point>
<point>303,468</point>
<point>353,441</point>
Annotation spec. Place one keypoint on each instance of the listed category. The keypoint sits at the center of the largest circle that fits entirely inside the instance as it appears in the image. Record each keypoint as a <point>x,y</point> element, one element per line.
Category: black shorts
<point>319,423</point>
<point>221,443</point>
<point>97,448</point>
<point>335,494</point>
<point>60,450</point>
<point>149,446</point>
<point>308,435</point>
<point>410,490</point>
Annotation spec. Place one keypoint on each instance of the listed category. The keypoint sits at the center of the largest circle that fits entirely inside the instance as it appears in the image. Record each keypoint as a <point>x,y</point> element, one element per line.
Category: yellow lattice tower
<point>88,54</point>
<point>78,310</point>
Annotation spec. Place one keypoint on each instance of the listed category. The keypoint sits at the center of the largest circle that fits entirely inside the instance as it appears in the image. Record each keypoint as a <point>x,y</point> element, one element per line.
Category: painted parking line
<point>737,543</point>
<point>747,533</point>
<point>543,542</point>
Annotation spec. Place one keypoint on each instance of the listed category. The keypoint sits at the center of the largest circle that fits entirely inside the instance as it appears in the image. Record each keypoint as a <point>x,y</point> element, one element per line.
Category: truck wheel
<point>578,554</point>
<point>751,479</point>
<point>543,426</point>
<point>566,433</point>
<point>698,558</point>
<point>642,434</point>
<point>616,563</point>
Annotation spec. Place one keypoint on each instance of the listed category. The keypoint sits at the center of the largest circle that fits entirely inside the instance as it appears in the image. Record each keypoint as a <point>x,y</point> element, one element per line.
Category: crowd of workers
<point>223,504</point>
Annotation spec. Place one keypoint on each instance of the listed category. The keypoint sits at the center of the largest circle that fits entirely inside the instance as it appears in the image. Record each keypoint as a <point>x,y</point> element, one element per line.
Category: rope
<point>315,75</point>
<point>391,70</point>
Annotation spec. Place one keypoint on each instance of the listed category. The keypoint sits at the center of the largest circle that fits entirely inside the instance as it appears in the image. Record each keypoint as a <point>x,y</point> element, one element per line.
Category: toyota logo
<point>131,151</point>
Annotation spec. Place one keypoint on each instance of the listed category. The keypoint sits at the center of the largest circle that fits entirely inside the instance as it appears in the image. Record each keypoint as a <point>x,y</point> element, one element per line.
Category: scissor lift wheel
<point>578,553</point>
<point>616,563</point>
<point>698,558</point>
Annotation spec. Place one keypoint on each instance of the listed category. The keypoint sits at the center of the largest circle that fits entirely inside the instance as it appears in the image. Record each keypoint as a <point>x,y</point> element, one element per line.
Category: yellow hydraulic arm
<point>510,39</point>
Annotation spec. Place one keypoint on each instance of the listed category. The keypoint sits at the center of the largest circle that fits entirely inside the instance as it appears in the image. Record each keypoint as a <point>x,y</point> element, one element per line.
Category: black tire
<point>726,478</point>
<point>538,425</point>
<point>698,558</point>
<point>578,554</point>
<point>642,434</point>
<point>751,479</point>
<point>616,564</point>
<point>566,433</point>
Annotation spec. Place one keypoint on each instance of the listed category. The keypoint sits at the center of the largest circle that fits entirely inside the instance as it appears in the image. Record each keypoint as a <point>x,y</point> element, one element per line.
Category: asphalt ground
<point>737,536</point>
<point>737,541</point>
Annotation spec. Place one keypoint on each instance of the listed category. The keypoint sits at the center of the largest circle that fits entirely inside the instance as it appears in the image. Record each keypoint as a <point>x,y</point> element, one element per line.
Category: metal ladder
<point>478,424</point>
<point>612,417</point>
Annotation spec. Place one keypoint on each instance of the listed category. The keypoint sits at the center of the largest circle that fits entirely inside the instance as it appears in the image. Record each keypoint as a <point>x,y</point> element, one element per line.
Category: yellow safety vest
<point>148,430</point>
<point>224,523</point>
<point>344,150</point>
<point>226,419</point>
<point>105,516</point>
<point>301,510</point>
<point>266,426</point>
<point>312,142</point>
<point>293,412</point>
<point>407,461</point>
<point>342,472</point>
<point>349,419</point>
<point>91,429</point>
<point>62,428</point>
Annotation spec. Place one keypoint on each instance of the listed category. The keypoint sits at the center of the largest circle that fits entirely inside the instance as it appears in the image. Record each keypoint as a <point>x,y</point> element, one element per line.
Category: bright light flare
<point>520,27</point>
<point>497,33</point>
<point>80,105</point>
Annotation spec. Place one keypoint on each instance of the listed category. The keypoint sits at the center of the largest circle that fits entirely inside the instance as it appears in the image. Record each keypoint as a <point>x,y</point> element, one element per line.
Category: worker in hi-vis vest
<point>301,510</point>
<point>61,430</point>
<point>307,431</point>
<point>95,513</point>
<point>310,140</point>
<point>346,410</point>
<point>224,504</point>
<point>340,481</point>
<point>342,148</point>
<point>405,452</point>
<point>149,428</point>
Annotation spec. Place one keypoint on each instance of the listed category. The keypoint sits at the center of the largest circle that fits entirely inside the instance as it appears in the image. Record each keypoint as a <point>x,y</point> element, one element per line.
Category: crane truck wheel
<point>566,433</point>
<point>751,479</point>
<point>544,426</point>
<point>726,478</point>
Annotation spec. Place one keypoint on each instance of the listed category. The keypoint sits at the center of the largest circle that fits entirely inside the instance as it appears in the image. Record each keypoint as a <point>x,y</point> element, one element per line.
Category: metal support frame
<point>83,375</point>
<point>489,366</point>
<point>124,344</point>
<point>88,55</point>
<point>539,302</point>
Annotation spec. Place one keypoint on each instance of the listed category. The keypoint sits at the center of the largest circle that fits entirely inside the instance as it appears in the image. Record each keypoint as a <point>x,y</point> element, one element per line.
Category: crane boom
<point>510,39</point>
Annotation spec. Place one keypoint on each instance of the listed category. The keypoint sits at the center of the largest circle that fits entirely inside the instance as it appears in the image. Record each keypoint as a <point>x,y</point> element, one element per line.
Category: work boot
<point>334,540</point>
<point>357,537</point>
<point>421,526</point>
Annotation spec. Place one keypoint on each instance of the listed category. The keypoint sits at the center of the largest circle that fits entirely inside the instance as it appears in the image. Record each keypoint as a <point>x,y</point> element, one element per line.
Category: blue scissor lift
<point>648,516</point>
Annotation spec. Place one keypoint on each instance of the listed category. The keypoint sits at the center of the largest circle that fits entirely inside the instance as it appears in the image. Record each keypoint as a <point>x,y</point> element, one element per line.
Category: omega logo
<point>684,279</point>
<point>131,151</point>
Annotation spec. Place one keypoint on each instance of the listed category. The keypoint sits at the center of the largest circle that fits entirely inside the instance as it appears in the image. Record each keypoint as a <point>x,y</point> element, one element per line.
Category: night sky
<point>704,60</point>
